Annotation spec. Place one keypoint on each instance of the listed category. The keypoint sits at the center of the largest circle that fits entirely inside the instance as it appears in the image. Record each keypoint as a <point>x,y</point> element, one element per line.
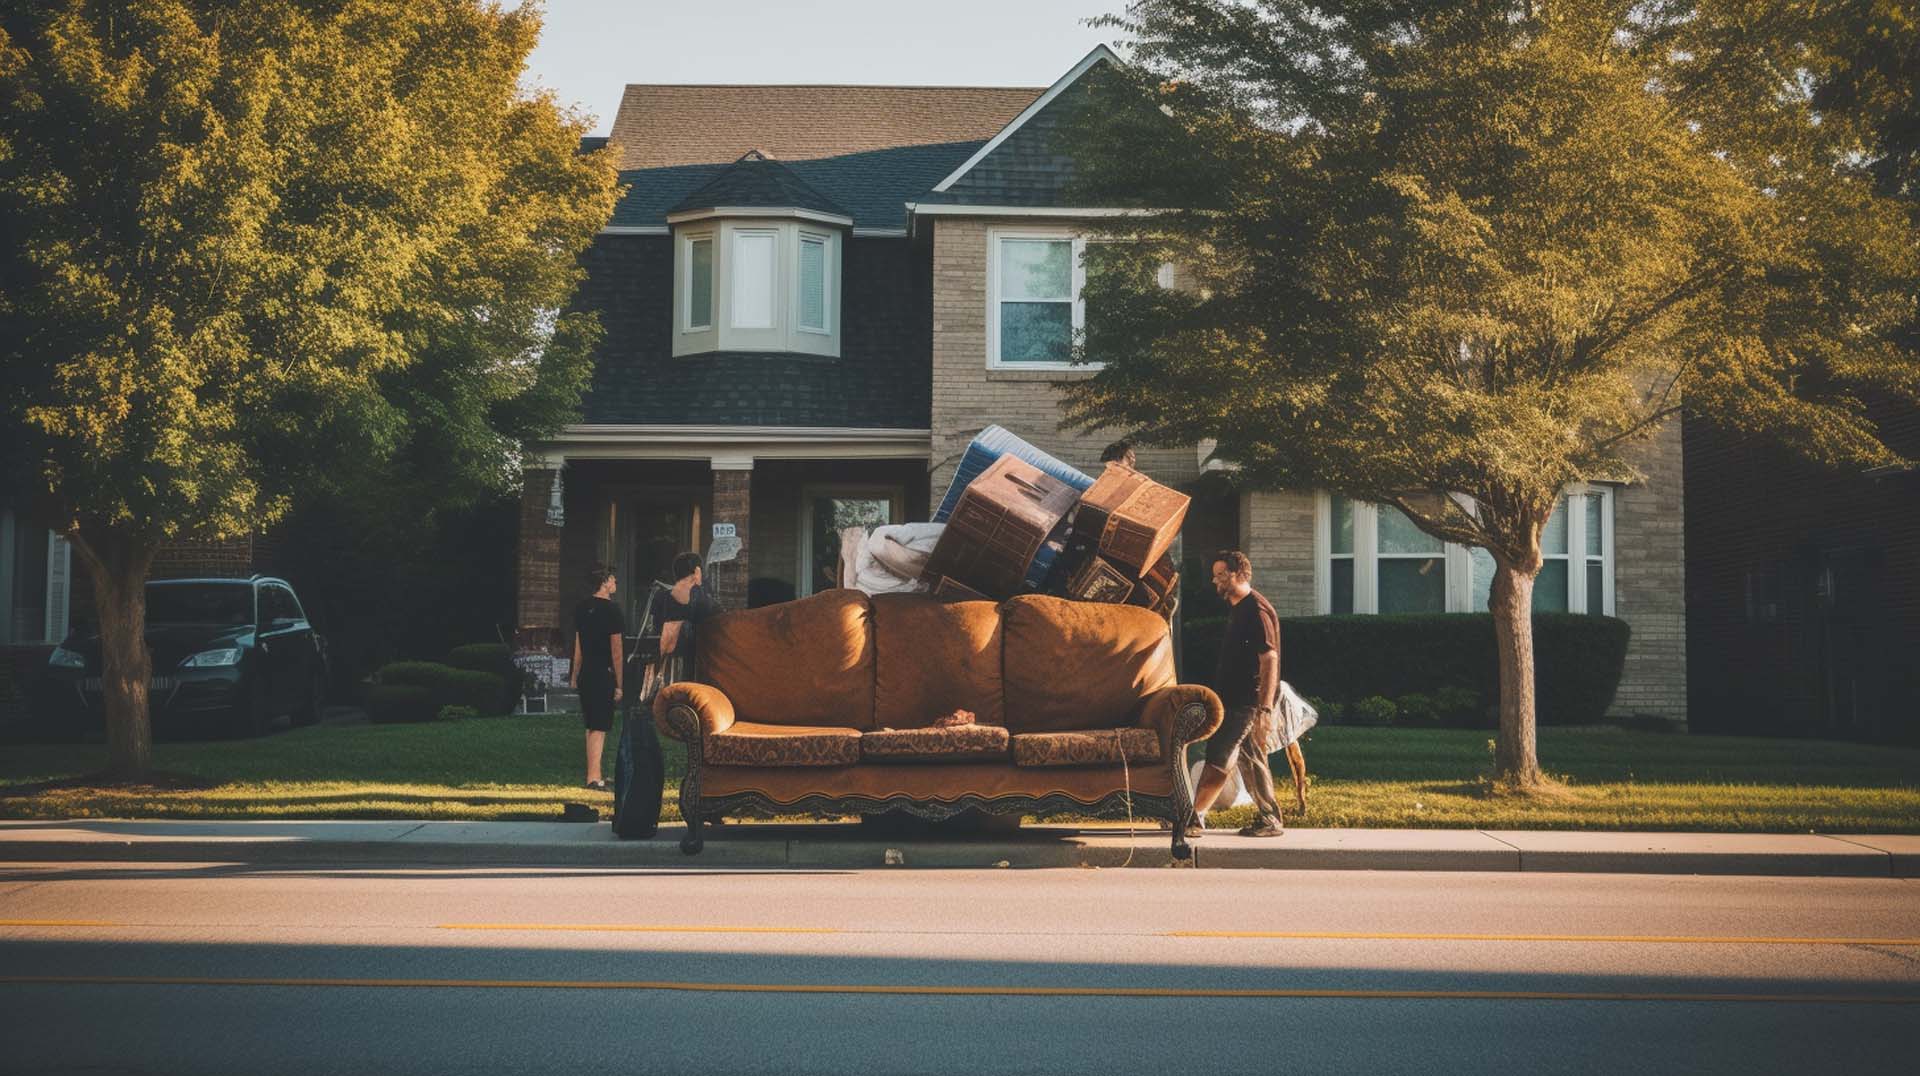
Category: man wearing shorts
<point>1247,679</point>
<point>597,661</point>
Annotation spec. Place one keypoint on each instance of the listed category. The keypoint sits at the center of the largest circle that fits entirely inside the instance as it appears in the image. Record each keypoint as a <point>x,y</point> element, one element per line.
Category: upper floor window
<point>756,284</point>
<point>1374,560</point>
<point>1035,281</point>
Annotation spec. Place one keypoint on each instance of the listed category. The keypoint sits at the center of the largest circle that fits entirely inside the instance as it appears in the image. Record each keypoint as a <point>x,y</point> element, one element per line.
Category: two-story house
<point>815,296</point>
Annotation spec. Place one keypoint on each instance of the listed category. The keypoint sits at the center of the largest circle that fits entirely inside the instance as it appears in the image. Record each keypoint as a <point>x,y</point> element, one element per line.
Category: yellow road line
<point>1656,939</point>
<point>56,923</point>
<point>635,929</point>
<point>954,991</point>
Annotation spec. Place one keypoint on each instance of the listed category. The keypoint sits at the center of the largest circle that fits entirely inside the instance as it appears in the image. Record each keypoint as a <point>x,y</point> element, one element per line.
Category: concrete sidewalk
<point>849,846</point>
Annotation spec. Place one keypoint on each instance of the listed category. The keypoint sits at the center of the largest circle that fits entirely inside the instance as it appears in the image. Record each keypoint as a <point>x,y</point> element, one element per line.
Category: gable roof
<point>755,181</point>
<point>673,126</point>
<point>1099,54</point>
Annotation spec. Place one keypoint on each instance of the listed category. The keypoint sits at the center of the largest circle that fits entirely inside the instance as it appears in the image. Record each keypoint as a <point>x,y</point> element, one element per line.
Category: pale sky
<point>590,49</point>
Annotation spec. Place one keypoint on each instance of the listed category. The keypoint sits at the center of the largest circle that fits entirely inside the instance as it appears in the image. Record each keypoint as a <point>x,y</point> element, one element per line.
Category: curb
<point>829,846</point>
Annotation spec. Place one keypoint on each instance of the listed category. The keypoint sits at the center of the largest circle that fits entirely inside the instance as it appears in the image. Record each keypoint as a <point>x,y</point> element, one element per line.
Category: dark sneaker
<point>1265,827</point>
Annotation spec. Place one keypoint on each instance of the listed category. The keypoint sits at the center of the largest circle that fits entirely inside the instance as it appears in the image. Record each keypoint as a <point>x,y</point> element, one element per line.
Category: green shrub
<point>388,704</point>
<point>1372,710</point>
<point>1577,661</point>
<point>1329,710</point>
<point>1200,647</point>
<point>1459,707</point>
<point>1416,711</point>
<point>494,658</point>
<point>457,713</point>
<point>448,686</point>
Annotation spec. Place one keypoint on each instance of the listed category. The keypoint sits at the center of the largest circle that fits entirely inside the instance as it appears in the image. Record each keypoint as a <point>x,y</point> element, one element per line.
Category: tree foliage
<point>1454,256</point>
<point>254,248</point>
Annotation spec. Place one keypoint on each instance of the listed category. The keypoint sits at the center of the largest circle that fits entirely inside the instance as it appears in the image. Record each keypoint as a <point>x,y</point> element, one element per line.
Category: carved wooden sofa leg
<point>686,728</point>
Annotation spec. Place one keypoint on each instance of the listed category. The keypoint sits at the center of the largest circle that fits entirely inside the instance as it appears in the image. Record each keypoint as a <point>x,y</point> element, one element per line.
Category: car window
<point>276,603</point>
<point>200,603</point>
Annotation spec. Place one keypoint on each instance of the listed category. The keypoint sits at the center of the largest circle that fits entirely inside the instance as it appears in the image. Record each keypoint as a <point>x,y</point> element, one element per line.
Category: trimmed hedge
<point>494,658</point>
<point>448,686</point>
<point>1446,658</point>
<point>390,704</point>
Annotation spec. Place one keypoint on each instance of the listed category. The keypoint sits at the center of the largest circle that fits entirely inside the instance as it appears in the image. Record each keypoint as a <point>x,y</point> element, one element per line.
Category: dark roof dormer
<point>758,186</point>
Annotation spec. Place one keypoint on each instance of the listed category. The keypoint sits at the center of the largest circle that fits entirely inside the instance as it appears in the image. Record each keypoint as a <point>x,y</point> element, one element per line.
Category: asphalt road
<point>225,968</point>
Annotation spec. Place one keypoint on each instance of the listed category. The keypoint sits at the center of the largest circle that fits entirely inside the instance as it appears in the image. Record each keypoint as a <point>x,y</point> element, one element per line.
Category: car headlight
<point>207,659</point>
<point>62,658</point>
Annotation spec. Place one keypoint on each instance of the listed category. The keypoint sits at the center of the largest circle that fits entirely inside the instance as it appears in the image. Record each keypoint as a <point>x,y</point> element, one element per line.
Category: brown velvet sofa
<point>824,705</point>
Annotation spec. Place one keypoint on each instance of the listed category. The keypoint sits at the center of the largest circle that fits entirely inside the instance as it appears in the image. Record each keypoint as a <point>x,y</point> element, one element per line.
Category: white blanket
<point>889,560</point>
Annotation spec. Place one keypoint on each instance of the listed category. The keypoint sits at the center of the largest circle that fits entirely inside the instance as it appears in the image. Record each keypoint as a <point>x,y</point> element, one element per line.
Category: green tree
<point>1450,257</point>
<point>254,248</point>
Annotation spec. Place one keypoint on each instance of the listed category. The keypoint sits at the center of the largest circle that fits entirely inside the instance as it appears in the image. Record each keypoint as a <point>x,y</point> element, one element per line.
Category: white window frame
<point>713,281</point>
<point>1076,297</point>
<point>1458,558</point>
<point>896,512</point>
<point>57,582</point>
<point>825,239</point>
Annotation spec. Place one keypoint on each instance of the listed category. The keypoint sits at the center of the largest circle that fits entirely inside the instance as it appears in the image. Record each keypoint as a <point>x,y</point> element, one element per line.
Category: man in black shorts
<point>1248,681</point>
<point>597,664</point>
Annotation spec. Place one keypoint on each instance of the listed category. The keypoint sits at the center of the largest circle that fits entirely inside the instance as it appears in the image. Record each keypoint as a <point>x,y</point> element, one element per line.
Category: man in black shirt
<point>598,658</point>
<point>1248,681</point>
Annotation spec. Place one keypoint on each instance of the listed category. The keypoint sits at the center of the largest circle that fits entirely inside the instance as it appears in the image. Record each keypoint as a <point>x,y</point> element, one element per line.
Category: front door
<point>649,534</point>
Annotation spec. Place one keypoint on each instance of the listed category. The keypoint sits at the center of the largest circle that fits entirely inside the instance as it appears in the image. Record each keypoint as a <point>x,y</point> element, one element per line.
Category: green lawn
<point>525,767</point>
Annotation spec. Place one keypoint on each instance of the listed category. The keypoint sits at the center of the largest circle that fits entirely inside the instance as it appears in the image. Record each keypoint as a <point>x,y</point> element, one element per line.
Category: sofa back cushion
<point>1079,665</point>
<point>806,662</point>
<point>932,657</point>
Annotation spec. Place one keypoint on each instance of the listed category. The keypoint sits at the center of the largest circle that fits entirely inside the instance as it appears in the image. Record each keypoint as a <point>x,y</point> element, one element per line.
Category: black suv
<point>229,657</point>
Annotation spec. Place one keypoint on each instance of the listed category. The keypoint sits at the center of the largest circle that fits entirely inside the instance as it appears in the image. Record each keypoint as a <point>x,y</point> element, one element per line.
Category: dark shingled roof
<point>872,188</point>
<point>753,180</point>
<point>1032,166</point>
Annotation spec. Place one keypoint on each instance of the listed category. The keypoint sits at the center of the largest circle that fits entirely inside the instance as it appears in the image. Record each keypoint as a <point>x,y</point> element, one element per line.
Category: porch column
<point>537,601</point>
<point>732,504</point>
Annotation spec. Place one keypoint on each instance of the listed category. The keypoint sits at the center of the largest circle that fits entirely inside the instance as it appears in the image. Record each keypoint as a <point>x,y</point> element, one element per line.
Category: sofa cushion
<point>959,743</point>
<point>932,657</point>
<point>1086,747</point>
<point>806,662</point>
<point>1079,665</point>
<point>750,743</point>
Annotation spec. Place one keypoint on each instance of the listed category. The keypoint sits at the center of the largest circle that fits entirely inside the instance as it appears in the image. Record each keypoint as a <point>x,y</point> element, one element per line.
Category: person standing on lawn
<point>1248,681</point>
<point>597,662</point>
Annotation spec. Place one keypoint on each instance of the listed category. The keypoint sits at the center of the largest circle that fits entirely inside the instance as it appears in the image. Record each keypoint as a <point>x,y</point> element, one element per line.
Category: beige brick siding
<point>1649,590</point>
<point>1276,534</point>
<point>968,397</point>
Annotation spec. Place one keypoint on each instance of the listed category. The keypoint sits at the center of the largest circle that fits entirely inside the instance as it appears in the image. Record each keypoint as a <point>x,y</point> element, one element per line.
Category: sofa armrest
<point>712,710</point>
<point>1181,714</point>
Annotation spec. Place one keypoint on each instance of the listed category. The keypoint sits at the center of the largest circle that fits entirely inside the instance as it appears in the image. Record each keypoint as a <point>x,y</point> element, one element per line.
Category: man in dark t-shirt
<point>598,658</point>
<point>1247,679</point>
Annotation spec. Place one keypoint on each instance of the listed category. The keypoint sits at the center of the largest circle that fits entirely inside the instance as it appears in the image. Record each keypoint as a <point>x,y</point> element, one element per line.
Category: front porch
<point>635,507</point>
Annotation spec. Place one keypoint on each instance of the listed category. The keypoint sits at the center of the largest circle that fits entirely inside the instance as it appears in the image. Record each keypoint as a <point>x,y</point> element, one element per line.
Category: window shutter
<point>59,585</point>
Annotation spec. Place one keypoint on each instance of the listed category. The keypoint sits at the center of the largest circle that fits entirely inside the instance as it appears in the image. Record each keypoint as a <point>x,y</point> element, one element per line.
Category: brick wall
<point>733,503</point>
<point>1276,534</point>
<point>537,603</point>
<point>231,558</point>
<point>968,397</point>
<point>1649,580</point>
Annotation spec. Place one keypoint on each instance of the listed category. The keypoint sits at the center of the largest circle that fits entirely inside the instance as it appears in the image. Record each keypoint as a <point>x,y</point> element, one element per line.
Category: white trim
<point>730,445</point>
<point>661,229</point>
<point>782,212</point>
<point>896,513</point>
<point>940,209</point>
<point>1076,288</point>
<point>730,461</point>
<point>1099,53</point>
<point>1322,552</point>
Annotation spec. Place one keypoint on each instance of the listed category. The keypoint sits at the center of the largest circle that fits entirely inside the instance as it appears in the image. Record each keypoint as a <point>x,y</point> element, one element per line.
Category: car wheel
<point>310,707</point>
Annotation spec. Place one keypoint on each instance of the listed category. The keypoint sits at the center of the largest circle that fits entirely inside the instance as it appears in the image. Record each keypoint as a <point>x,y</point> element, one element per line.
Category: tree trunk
<point>118,566</point>
<point>1511,603</point>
